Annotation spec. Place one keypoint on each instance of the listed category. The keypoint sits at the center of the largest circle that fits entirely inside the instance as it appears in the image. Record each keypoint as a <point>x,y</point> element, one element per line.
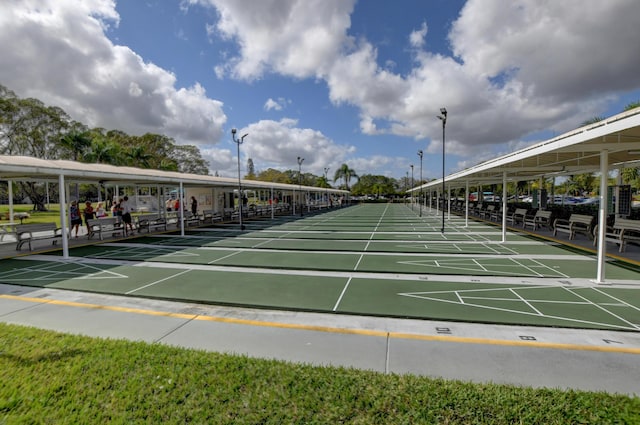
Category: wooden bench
<point>27,233</point>
<point>478,209</point>
<point>486,213</point>
<point>151,222</point>
<point>622,231</point>
<point>517,216</point>
<point>539,219</point>
<point>98,226</point>
<point>191,219</point>
<point>211,216</point>
<point>496,214</point>
<point>577,223</point>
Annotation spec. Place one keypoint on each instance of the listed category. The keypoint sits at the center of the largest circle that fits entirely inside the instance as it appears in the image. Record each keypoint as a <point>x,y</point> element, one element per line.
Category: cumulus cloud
<point>277,144</point>
<point>517,68</point>
<point>276,105</point>
<point>416,38</point>
<point>272,104</point>
<point>63,57</point>
<point>297,38</point>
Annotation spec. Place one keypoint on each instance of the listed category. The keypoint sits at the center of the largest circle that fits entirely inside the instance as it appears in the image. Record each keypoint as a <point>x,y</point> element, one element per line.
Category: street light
<point>411,186</point>
<point>239,142</point>
<point>443,118</point>
<point>326,171</point>
<point>300,184</point>
<point>420,197</point>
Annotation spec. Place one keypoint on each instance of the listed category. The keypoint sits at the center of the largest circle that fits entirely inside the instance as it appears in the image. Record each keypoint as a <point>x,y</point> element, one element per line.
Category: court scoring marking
<point>498,298</point>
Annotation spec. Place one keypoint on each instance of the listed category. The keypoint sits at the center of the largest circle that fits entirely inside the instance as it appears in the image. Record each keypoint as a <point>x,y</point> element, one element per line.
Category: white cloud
<point>416,38</point>
<point>297,38</point>
<point>277,144</point>
<point>57,51</point>
<point>518,68</point>
<point>272,104</point>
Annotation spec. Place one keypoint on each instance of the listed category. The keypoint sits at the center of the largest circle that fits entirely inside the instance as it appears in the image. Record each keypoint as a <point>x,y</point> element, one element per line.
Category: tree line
<point>29,127</point>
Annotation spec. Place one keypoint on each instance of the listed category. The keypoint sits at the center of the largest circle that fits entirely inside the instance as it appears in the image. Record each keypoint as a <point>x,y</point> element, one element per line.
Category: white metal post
<point>602,215</point>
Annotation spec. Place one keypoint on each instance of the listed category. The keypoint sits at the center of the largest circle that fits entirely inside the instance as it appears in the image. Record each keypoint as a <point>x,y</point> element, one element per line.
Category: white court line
<point>545,266</point>
<point>526,302</point>
<point>527,267</point>
<point>342,294</point>
<point>453,278</point>
<point>158,281</point>
<point>225,257</point>
<point>602,308</point>
<point>525,313</point>
<point>617,299</point>
<point>483,268</point>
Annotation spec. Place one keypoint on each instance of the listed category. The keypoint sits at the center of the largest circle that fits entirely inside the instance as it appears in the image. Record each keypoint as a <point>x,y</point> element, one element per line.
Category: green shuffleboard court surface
<point>375,259</point>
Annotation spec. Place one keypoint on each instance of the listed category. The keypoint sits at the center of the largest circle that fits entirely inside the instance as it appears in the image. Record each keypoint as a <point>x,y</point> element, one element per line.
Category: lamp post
<point>420,197</point>
<point>411,186</point>
<point>326,171</point>
<point>239,142</point>
<point>443,118</point>
<point>300,160</point>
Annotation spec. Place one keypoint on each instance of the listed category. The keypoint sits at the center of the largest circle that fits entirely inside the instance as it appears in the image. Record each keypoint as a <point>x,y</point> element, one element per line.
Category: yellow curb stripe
<point>315,328</point>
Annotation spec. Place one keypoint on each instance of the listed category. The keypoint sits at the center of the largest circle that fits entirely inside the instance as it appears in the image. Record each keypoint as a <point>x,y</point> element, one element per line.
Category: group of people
<point>120,208</point>
<point>174,205</point>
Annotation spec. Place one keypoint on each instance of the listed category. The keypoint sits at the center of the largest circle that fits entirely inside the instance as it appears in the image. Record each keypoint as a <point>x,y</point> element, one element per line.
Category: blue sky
<point>333,81</point>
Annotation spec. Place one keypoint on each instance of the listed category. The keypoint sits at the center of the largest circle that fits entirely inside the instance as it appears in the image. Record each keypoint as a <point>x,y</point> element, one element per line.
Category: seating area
<point>622,231</point>
<point>538,220</point>
<point>150,222</point>
<point>28,233</point>
<point>105,225</point>
<point>577,223</point>
<point>516,216</point>
<point>211,216</point>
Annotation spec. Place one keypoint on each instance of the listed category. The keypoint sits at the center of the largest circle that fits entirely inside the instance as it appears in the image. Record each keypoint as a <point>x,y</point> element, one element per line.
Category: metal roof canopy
<point>575,152</point>
<point>64,172</point>
<point>34,169</point>
<point>610,143</point>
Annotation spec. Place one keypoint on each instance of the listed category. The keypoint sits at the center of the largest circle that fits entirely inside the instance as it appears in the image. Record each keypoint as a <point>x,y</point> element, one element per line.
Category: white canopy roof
<point>34,169</point>
<point>575,152</point>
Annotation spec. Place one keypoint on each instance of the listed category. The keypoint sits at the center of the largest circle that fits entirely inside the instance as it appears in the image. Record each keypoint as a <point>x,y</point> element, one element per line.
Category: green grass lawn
<point>53,215</point>
<point>49,377</point>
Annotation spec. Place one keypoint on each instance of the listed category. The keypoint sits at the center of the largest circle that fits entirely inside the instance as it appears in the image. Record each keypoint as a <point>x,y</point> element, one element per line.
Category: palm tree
<point>76,143</point>
<point>138,156</point>
<point>322,181</point>
<point>346,173</point>
<point>632,105</point>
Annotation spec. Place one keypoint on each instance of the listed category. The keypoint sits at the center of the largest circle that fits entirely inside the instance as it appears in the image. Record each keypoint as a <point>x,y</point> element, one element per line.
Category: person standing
<point>75,219</point>
<point>88,215</point>
<point>126,215</point>
<point>100,212</point>
<point>194,206</point>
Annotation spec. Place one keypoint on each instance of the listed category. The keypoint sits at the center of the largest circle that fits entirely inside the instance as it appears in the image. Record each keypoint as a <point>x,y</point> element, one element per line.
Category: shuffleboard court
<point>380,260</point>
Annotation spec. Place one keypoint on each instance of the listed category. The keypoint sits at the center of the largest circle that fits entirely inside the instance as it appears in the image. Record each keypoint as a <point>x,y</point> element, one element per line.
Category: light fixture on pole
<point>240,197</point>
<point>300,184</point>
<point>411,186</point>
<point>420,197</point>
<point>326,171</point>
<point>443,118</point>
